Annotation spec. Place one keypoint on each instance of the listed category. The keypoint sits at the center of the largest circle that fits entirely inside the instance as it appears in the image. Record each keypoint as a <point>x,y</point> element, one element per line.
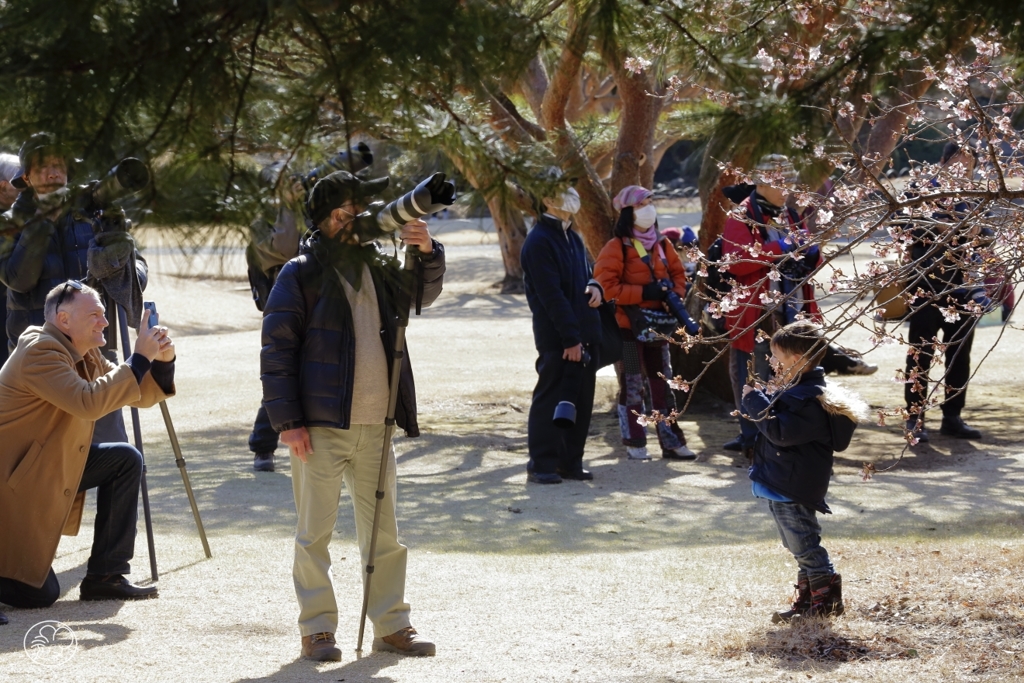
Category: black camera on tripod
<point>97,198</point>
<point>129,176</point>
<point>678,308</point>
<point>360,159</point>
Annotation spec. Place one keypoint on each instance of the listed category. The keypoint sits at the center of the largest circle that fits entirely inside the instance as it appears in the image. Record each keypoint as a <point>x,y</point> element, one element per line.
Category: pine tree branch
<point>241,99</point>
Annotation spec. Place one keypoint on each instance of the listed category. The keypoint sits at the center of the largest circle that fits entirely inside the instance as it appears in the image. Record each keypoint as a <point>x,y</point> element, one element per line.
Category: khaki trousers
<point>353,456</point>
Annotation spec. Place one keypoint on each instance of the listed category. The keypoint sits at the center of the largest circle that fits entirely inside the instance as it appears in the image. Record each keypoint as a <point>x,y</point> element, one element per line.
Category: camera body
<point>678,308</point>
<point>360,159</point>
<point>430,196</point>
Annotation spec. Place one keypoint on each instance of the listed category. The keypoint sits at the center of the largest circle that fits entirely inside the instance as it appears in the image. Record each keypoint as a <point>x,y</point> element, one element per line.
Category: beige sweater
<point>370,385</point>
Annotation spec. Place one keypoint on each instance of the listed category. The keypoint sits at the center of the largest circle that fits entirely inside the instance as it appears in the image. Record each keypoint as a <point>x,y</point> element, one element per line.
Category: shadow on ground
<point>462,486</point>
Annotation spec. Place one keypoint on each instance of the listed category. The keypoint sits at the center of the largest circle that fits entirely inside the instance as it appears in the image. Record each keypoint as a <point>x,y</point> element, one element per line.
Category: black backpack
<point>260,281</point>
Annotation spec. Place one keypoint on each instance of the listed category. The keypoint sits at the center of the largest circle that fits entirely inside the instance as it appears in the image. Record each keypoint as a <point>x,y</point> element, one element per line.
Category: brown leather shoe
<point>405,642</point>
<point>320,647</point>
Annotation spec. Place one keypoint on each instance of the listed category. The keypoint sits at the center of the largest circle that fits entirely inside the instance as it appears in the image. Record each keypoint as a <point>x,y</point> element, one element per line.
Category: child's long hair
<point>802,338</point>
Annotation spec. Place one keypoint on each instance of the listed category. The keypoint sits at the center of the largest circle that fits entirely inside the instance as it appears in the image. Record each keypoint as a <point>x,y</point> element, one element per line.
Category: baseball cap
<point>775,167</point>
<point>37,146</point>
<point>335,189</point>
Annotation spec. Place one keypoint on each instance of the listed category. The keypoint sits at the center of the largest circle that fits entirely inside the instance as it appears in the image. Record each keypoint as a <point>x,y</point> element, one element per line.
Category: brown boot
<point>405,642</point>
<point>801,601</point>
<point>320,647</point>
<point>826,596</point>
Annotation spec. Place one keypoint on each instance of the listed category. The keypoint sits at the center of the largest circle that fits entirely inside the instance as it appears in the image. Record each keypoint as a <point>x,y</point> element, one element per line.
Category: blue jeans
<point>738,374</point>
<point>115,471</point>
<point>801,534</point>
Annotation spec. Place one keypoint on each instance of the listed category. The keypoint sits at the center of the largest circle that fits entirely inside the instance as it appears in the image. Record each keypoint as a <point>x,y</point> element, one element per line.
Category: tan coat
<point>50,397</point>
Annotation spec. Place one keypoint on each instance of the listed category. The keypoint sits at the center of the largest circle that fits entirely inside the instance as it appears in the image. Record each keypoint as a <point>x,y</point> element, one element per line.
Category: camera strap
<point>645,257</point>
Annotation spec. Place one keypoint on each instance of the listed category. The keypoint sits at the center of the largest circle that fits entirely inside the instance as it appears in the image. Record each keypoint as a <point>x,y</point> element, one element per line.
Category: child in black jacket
<point>800,423</point>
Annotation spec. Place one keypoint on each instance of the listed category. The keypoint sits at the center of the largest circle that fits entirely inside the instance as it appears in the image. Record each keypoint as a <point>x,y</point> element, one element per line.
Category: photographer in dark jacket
<point>10,168</point>
<point>51,237</point>
<point>273,241</point>
<point>566,329</point>
<point>329,332</point>
<point>940,249</point>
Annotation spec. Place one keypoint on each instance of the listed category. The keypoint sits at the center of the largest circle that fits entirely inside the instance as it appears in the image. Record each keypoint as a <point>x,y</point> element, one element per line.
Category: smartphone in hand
<point>154,317</point>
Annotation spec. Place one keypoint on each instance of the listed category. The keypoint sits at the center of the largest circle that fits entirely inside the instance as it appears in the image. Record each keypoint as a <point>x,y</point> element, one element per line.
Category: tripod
<point>403,306</point>
<point>122,325</point>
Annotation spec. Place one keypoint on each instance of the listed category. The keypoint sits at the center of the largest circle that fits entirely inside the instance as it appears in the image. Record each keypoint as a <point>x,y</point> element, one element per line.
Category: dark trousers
<point>551,447</point>
<point>264,437</point>
<point>925,325</point>
<point>738,361</point>
<point>115,471</point>
<point>643,364</point>
<point>836,360</point>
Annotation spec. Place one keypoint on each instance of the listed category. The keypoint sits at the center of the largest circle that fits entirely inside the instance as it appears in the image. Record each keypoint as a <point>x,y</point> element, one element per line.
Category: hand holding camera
<point>655,291</point>
<point>416,234</point>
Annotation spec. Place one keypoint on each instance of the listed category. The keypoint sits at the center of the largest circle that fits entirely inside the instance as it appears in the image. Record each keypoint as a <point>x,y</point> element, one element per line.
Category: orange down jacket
<point>622,274</point>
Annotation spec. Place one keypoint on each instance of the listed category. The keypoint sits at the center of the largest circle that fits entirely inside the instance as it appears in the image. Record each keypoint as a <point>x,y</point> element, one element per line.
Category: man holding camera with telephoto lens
<point>273,241</point>
<point>329,333</point>
<point>53,235</point>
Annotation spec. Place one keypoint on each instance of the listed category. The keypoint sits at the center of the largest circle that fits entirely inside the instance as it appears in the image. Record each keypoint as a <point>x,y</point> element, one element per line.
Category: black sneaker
<point>576,475</point>
<point>3,618</point>
<point>114,587</point>
<point>956,427</point>
<point>263,462</point>
<point>920,432</point>
<point>543,478</point>
<point>734,445</point>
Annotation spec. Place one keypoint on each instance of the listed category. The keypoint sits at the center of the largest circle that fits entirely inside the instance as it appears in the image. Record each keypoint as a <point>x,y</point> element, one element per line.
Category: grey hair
<point>10,167</point>
<point>50,306</point>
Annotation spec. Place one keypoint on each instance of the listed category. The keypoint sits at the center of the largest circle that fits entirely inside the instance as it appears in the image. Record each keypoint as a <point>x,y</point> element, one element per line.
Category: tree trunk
<point>713,203</point>
<point>638,119</point>
<point>511,229</point>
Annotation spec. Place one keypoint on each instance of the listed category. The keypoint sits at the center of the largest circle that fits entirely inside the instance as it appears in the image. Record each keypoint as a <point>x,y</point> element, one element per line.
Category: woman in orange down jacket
<point>630,268</point>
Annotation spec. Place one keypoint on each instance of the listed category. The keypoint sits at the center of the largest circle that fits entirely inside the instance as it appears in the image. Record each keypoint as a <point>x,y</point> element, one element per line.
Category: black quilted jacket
<point>308,356</point>
<point>36,255</point>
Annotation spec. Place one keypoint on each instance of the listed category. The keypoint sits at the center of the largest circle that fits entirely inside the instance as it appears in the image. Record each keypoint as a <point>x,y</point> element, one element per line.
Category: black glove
<point>653,291</point>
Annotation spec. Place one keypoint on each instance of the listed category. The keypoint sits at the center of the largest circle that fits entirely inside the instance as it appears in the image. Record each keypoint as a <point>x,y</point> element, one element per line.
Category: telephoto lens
<point>572,378</point>
<point>430,196</point>
<point>128,177</point>
<point>678,308</point>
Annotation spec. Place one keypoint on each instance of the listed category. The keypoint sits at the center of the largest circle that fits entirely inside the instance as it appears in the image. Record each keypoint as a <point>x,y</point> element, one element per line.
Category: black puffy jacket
<point>796,441</point>
<point>41,254</point>
<point>307,362</point>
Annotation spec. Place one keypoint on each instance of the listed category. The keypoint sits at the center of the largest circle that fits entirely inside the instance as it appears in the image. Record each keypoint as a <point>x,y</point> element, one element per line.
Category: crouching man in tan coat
<point>52,389</point>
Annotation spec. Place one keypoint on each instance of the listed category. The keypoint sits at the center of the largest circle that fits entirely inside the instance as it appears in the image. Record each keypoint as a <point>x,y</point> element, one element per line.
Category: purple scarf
<point>648,238</point>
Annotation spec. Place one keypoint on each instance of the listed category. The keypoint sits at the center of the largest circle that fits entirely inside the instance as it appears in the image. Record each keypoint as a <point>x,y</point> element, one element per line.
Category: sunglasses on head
<point>68,286</point>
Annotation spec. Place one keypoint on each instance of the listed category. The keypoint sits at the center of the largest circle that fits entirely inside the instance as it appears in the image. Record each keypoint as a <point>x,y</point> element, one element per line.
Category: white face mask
<point>645,216</point>
<point>570,200</point>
